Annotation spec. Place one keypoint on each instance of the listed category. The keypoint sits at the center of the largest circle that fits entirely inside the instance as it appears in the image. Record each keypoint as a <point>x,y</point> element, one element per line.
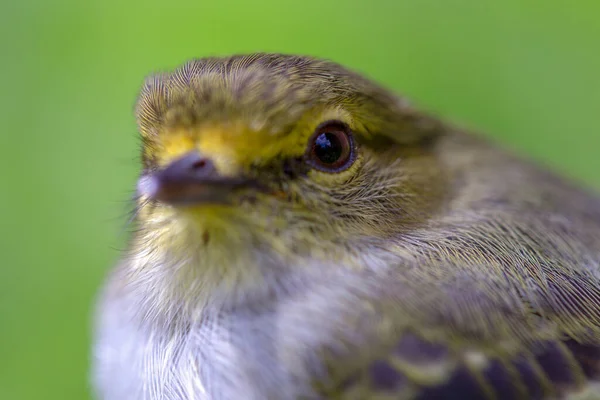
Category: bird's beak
<point>191,179</point>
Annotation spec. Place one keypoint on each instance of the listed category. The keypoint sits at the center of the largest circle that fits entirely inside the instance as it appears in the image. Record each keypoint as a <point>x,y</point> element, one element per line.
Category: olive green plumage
<point>304,233</point>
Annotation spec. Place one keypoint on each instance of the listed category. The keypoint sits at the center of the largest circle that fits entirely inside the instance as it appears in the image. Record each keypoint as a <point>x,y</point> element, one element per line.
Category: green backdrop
<point>525,72</point>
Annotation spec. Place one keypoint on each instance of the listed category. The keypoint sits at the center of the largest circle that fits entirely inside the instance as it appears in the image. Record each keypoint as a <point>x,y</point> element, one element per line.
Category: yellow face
<point>293,157</point>
<point>235,146</point>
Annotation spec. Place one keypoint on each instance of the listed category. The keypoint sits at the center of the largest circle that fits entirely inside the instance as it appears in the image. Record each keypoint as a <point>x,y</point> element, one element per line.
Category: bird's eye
<point>330,148</point>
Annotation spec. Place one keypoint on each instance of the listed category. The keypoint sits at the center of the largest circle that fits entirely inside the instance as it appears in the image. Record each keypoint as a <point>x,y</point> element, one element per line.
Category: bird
<point>302,232</point>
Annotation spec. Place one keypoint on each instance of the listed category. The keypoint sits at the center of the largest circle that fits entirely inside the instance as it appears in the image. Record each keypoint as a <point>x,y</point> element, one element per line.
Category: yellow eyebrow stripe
<point>231,148</point>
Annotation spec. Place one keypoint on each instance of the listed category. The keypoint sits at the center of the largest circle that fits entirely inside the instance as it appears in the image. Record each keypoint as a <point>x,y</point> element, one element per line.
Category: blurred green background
<point>525,72</point>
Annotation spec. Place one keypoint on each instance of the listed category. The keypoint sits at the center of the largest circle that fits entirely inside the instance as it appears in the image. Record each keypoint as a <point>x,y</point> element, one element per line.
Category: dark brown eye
<point>330,148</point>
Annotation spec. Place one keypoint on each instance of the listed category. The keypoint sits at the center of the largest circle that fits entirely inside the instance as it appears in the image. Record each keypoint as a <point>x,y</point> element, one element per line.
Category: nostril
<point>199,164</point>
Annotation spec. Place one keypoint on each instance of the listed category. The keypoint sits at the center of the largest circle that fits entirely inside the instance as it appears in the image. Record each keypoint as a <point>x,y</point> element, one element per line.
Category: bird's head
<point>287,155</point>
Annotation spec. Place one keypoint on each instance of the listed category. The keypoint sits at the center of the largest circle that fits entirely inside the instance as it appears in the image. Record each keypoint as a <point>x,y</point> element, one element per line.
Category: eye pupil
<point>328,148</point>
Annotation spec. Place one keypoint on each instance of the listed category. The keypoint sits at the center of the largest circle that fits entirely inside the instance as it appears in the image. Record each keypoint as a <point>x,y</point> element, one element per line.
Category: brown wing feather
<point>426,370</point>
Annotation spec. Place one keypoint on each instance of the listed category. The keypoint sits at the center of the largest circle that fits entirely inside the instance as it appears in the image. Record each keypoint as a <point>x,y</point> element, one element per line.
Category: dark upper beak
<point>188,180</point>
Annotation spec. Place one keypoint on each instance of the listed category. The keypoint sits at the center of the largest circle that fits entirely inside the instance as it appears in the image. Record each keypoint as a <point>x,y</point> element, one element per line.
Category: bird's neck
<point>185,285</point>
<point>179,275</point>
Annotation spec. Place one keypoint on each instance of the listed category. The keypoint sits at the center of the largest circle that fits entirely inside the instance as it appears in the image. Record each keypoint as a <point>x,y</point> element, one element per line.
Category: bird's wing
<point>421,369</point>
<point>466,337</point>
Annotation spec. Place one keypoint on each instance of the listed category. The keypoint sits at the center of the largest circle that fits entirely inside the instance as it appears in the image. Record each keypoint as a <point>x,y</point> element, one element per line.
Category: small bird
<point>303,233</point>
